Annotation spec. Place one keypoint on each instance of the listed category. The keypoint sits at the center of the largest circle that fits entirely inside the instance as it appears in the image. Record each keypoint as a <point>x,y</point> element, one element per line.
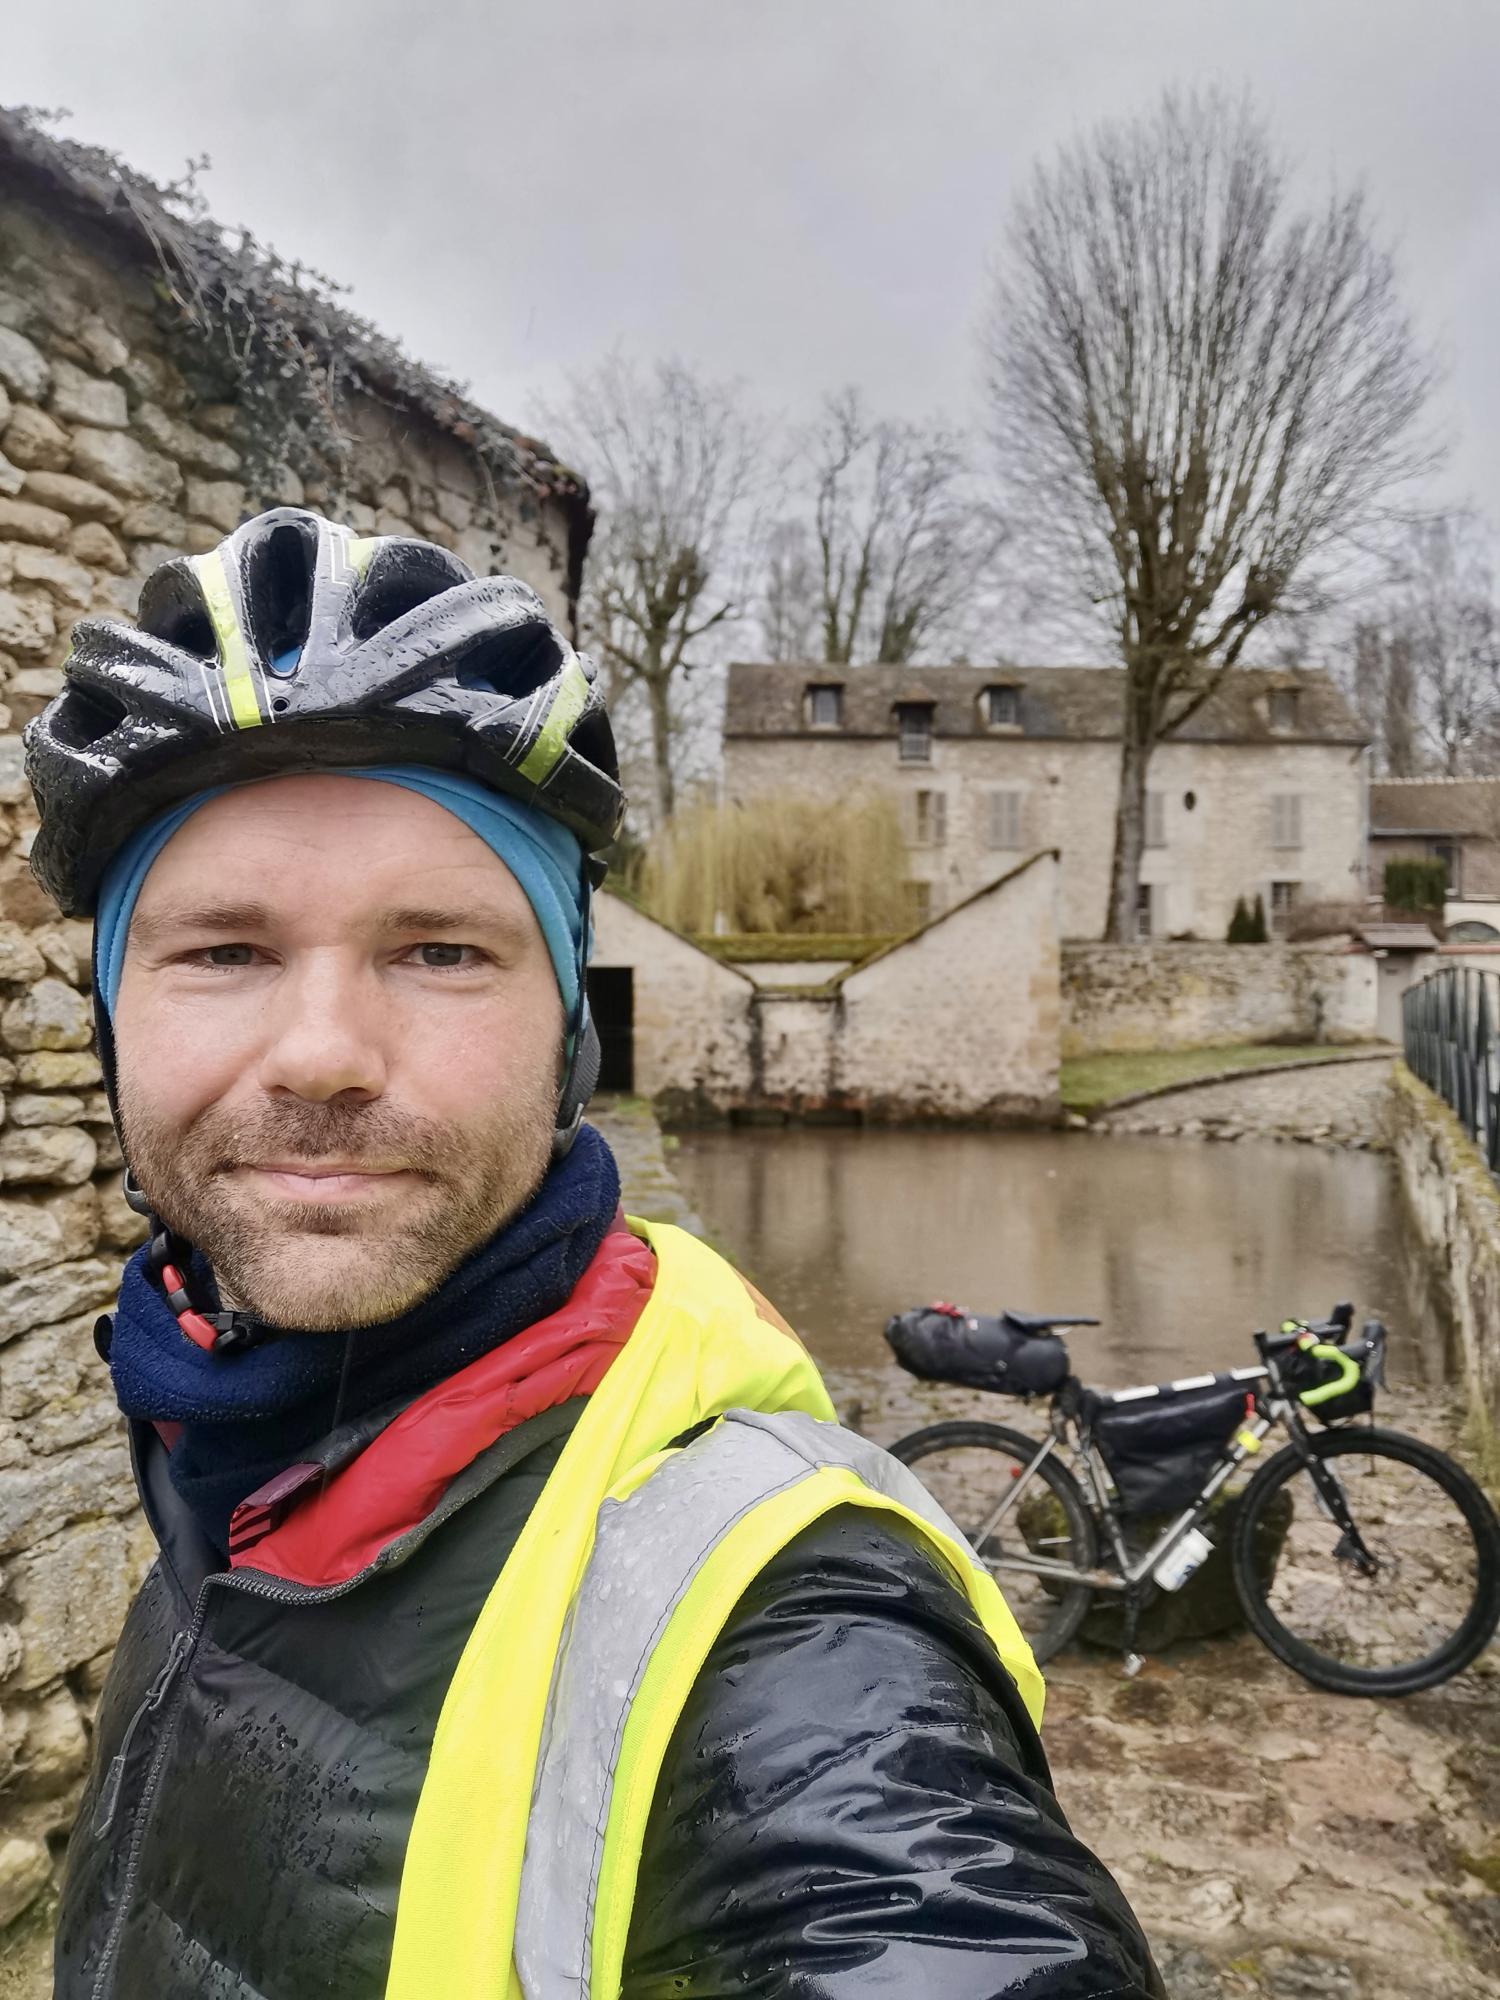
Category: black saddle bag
<point>975,1351</point>
<point>1160,1448</point>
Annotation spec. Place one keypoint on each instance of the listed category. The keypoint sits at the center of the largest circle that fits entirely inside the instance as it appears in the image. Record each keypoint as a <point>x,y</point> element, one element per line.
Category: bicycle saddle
<point>1044,1322</point>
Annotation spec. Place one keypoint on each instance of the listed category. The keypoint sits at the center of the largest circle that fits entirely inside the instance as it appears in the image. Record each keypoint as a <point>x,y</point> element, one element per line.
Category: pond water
<point>1181,1248</point>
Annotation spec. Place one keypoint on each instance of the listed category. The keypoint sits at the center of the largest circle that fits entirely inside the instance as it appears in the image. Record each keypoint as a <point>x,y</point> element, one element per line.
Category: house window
<point>919,896</point>
<point>1451,855</point>
<point>1002,707</point>
<point>825,707</point>
<point>1004,826</point>
<point>914,720</point>
<point>1286,819</point>
<point>1143,915</point>
<point>1283,707</point>
<point>1283,902</point>
<point>1156,819</point>
<point>932,818</point>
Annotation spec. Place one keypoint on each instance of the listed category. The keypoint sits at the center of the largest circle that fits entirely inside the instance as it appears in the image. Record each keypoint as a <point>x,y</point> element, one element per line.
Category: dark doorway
<point>612,1003</point>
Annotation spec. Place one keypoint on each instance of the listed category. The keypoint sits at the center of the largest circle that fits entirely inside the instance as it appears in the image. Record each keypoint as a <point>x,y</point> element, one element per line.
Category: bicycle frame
<point>1127,1576</point>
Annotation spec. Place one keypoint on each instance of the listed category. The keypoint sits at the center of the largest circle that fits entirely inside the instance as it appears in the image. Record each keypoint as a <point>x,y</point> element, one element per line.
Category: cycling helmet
<point>296,645</point>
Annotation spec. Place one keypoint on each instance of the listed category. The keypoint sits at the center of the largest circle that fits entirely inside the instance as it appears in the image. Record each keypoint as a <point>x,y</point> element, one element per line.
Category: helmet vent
<point>402,575</point>
<point>278,589</point>
<point>84,716</point>
<point>512,664</point>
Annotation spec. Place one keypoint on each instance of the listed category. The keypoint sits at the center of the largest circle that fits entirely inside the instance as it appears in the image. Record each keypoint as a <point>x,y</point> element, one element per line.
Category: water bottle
<point>1180,1561</point>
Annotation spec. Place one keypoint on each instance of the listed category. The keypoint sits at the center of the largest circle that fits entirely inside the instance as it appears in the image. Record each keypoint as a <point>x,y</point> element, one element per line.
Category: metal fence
<point>1451,1030</point>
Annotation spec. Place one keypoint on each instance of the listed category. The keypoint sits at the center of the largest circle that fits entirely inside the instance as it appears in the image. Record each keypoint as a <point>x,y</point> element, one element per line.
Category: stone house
<point>1262,792</point>
<point>134,427</point>
<point>1452,820</point>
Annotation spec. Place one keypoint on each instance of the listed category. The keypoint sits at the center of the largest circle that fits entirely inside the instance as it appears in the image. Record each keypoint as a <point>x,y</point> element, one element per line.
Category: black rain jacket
<point>854,1803</point>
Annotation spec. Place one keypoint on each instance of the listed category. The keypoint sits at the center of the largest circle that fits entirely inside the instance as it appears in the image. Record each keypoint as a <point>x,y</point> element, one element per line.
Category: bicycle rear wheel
<point>969,1468</point>
<point>1407,1601</point>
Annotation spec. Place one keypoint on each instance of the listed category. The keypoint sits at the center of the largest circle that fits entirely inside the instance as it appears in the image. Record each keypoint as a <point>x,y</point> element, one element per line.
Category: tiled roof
<point>1435,806</point>
<point>1070,702</point>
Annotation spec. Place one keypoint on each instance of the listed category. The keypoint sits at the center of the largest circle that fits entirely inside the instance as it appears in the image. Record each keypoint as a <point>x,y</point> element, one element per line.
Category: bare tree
<point>896,553</point>
<point>789,611</point>
<point>1205,404</point>
<point>673,461</point>
<point>1423,666</point>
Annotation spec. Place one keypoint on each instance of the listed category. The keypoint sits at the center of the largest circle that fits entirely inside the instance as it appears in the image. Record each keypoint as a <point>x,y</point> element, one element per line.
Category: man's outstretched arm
<point>855,1802</point>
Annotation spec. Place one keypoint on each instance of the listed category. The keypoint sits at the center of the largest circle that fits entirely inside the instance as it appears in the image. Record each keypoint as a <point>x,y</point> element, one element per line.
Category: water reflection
<point>1181,1249</point>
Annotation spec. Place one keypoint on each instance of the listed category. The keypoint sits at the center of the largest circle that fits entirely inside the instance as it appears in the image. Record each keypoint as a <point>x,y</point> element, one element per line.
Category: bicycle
<point>1366,1560</point>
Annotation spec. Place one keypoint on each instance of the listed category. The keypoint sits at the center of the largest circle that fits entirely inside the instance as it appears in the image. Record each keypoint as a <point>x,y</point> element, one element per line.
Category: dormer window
<point>914,722</point>
<point>1002,707</point>
<point>825,705</point>
<point>1283,707</point>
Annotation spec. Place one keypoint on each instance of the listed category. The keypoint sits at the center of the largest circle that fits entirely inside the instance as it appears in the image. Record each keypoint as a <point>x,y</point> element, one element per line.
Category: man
<point>523,1624</point>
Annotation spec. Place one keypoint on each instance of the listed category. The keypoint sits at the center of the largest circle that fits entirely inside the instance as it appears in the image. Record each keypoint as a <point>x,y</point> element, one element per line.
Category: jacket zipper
<point>109,1792</point>
<point>165,1684</point>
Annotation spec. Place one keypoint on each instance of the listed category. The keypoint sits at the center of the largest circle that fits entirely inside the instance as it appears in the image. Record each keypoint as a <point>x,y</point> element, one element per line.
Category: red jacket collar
<point>328,1535</point>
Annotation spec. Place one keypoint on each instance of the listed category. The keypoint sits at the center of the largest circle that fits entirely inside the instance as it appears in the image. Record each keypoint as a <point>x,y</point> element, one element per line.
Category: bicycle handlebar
<point>1322,1350</point>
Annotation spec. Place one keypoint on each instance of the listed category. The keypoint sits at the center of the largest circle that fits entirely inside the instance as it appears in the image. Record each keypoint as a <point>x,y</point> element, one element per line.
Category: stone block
<point>59,1069</point>
<point>191,449</point>
<point>103,346</point>
<point>219,501</point>
<point>49,1016</point>
<point>63,1427</point>
<point>56,1745</point>
<point>28,521</point>
<point>35,440</point>
<point>220,418</point>
<point>456,509</point>
<point>47,1155</point>
<point>37,684</point>
<point>123,464</point>
<point>73,1597</point>
<point>67,947</point>
<point>28,623</point>
<point>81,398</point>
<point>80,498</point>
<point>14,790</point>
<point>29,1237</point>
<point>6,406</point>
<point>95,1109</point>
<point>10,1651</point>
<point>25,1869</point>
<point>12,478</point>
<point>22,897</point>
<point>23,367</point>
<point>200,537</point>
<point>154,521</point>
<point>38,1498</point>
<point>76,1211</point>
<point>107,1144</point>
<point>91,543</point>
<point>67,580</point>
<point>20,958</point>
<point>43,1107</point>
<point>120,1228</point>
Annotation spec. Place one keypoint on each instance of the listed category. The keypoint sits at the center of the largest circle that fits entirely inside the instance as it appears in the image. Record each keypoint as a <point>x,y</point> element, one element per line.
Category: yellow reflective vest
<point>521,1870</point>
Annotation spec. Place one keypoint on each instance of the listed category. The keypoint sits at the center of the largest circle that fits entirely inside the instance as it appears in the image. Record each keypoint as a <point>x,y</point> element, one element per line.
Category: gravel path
<point>1339,1104</point>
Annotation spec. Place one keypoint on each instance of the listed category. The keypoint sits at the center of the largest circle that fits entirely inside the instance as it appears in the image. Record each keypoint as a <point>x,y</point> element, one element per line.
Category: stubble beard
<point>328,1269</point>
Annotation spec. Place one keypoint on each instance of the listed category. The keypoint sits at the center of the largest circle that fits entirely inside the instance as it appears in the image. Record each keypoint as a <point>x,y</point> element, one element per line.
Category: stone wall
<point>959,1022</point>
<point>111,461</point>
<point>1165,996</point>
<point>1455,1206</point>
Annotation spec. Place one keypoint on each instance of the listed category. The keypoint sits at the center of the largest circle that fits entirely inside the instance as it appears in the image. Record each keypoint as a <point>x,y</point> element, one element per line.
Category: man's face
<point>338,1033</point>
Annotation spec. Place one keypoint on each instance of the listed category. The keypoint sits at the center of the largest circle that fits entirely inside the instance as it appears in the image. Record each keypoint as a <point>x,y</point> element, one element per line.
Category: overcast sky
<point>799,192</point>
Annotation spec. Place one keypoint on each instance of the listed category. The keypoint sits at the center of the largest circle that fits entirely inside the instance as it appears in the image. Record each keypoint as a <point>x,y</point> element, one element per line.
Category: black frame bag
<point>1161,1447</point>
<point>977,1351</point>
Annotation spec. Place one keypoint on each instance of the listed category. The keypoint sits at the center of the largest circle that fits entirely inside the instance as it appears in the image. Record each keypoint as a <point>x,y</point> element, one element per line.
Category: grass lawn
<point>1090,1082</point>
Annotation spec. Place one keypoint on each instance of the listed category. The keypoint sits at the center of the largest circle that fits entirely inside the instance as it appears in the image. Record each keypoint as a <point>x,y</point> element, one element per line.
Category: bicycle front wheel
<point>1402,1602</point>
<point>970,1469</point>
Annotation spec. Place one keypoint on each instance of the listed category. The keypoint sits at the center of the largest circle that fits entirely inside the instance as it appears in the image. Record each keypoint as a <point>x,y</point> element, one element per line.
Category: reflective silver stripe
<point>647,1551</point>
